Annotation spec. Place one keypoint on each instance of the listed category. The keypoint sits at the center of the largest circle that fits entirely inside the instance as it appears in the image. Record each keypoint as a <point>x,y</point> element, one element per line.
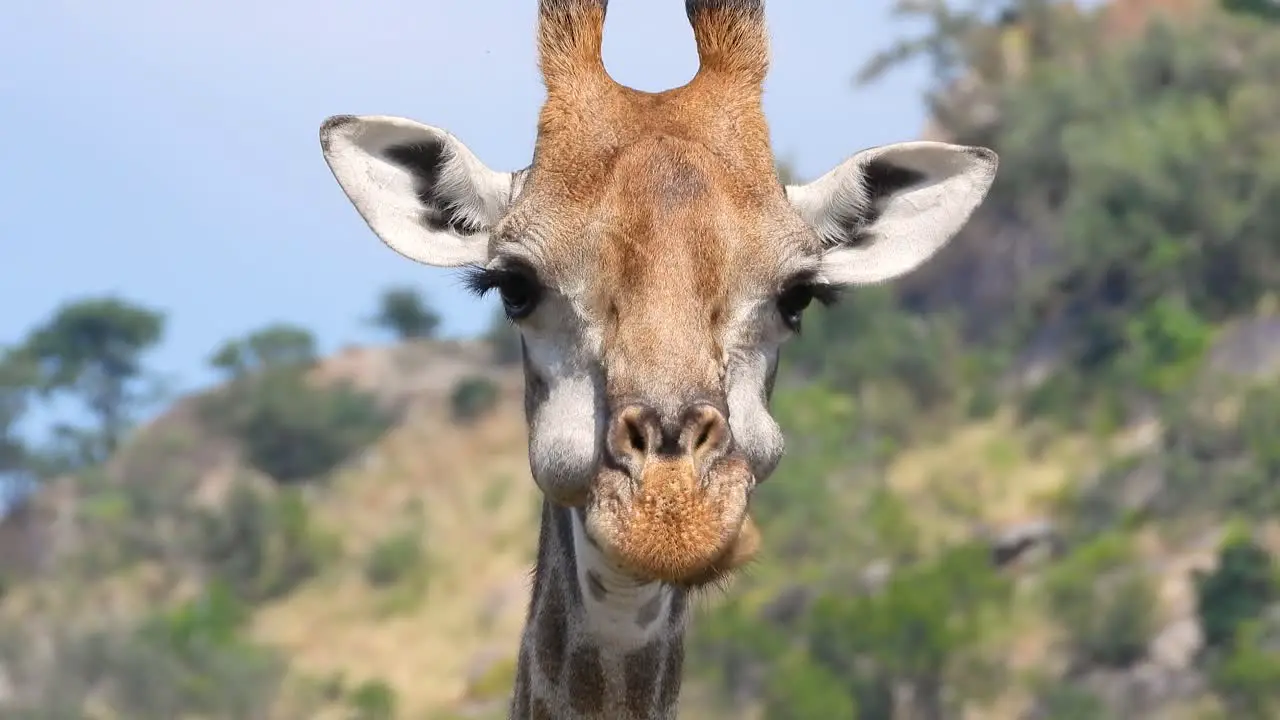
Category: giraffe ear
<point>886,210</point>
<point>420,189</point>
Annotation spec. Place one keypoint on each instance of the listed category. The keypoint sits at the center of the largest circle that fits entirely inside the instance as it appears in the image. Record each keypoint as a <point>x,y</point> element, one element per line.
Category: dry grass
<point>466,490</point>
<point>991,473</point>
<point>479,530</point>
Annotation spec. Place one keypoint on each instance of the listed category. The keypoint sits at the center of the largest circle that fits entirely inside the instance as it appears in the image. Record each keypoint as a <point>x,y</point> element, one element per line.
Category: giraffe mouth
<point>674,524</point>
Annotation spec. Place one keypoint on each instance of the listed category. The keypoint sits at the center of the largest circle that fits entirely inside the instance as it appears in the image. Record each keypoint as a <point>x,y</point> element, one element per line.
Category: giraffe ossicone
<point>654,266</point>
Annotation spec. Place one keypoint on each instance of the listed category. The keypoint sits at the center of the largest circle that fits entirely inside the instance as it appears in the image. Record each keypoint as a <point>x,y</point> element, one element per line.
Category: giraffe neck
<point>597,643</point>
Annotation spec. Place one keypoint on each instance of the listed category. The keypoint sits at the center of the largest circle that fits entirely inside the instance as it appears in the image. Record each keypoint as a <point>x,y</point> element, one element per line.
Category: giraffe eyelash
<point>480,281</point>
<point>825,294</point>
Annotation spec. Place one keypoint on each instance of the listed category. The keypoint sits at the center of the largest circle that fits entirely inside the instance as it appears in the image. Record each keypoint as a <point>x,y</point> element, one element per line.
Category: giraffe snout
<point>671,505</point>
<point>639,435</point>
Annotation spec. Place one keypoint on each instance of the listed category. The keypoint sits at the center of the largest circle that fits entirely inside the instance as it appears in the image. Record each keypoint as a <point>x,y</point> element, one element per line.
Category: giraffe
<point>654,265</point>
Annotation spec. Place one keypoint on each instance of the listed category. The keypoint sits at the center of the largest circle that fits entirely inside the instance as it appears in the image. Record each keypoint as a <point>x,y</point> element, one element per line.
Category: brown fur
<point>667,208</point>
<point>732,42</point>
<point>673,527</point>
<point>570,35</point>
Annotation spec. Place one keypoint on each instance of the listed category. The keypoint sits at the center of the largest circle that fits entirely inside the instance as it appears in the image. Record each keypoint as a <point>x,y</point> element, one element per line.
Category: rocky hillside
<point>430,533</point>
<point>417,549</point>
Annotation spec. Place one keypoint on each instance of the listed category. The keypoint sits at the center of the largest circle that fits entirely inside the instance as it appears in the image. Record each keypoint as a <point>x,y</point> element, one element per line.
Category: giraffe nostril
<point>705,432</point>
<point>704,436</point>
<point>637,434</point>
<point>634,432</point>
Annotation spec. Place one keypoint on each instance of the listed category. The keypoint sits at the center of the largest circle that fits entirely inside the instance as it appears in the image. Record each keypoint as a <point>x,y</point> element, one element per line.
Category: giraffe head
<point>654,265</point>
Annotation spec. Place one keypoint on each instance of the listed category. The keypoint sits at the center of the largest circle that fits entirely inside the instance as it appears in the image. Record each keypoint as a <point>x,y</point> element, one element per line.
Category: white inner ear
<point>437,213</point>
<point>898,231</point>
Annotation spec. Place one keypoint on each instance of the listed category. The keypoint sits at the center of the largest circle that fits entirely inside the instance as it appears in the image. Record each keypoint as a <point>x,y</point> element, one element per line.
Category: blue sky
<point>167,151</point>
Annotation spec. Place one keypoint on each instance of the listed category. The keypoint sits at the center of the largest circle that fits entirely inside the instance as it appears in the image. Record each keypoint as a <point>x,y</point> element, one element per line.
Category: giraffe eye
<point>792,303</point>
<point>517,286</point>
<point>799,294</point>
<point>519,295</point>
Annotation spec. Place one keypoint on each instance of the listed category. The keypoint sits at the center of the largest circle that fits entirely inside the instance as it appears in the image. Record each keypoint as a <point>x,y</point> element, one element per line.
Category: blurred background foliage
<point>1038,479</point>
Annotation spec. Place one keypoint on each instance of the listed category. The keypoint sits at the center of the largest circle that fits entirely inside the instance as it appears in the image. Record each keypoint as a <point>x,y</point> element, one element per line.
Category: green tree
<point>403,311</point>
<point>799,689</point>
<point>733,643</point>
<point>1248,678</point>
<point>200,661</point>
<point>1264,9</point>
<point>472,398</point>
<point>290,427</point>
<point>18,379</point>
<point>920,632</point>
<point>274,346</point>
<point>373,700</point>
<point>93,349</point>
<point>262,546</point>
<point>944,44</point>
<point>1168,141</point>
<point>868,340</point>
<point>1238,591</point>
<point>973,40</point>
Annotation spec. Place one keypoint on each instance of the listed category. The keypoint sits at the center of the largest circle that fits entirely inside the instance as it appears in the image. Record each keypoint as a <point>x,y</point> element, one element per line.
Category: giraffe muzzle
<point>672,505</point>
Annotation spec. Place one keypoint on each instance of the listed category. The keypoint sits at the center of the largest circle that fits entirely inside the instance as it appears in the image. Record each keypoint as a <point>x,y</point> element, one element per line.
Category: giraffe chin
<point>673,524</point>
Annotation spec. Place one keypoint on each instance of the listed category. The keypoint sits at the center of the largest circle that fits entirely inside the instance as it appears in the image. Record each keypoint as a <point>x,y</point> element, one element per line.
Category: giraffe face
<point>652,311</point>
<point>654,266</point>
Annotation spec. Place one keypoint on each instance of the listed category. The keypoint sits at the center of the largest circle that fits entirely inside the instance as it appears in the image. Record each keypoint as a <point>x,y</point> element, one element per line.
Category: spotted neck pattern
<point>597,642</point>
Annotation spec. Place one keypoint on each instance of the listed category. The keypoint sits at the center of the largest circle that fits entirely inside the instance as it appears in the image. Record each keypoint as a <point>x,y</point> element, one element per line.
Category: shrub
<point>1260,427</point>
<point>373,700</point>
<point>402,311</point>
<point>1237,591</point>
<point>799,689</point>
<point>261,546</point>
<point>1107,608</point>
<point>1264,9</point>
<point>1125,622</point>
<point>1064,701</point>
<point>1167,342</point>
<point>871,341</point>
<point>293,430</point>
<point>278,345</point>
<point>1248,679</point>
<point>731,643</point>
<point>289,428</point>
<point>920,633</point>
<point>190,661</point>
<point>394,558</point>
<point>472,398</point>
